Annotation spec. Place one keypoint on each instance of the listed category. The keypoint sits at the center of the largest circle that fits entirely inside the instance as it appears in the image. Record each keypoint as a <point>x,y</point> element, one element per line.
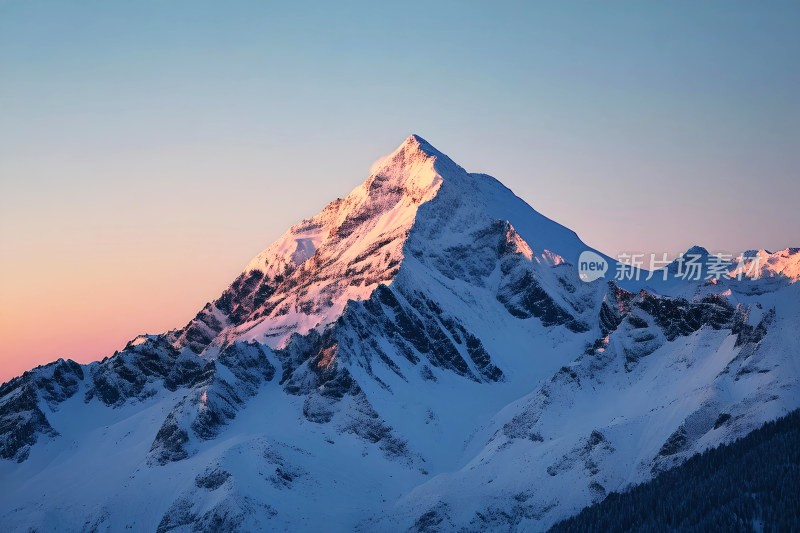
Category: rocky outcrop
<point>22,419</point>
<point>234,377</point>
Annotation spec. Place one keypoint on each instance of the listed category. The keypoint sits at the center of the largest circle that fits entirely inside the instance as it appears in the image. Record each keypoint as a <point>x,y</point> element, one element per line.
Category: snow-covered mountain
<point>421,355</point>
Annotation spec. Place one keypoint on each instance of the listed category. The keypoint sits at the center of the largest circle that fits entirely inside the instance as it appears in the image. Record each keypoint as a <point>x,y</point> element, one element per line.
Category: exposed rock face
<point>233,377</point>
<point>22,421</point>
<point>135,372</point>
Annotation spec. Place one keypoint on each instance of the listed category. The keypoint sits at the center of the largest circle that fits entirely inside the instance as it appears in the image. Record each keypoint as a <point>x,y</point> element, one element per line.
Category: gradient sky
<point>149,149</point>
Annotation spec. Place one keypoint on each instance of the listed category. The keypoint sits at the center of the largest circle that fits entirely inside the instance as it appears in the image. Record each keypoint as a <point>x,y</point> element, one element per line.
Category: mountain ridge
<point>421,352</point>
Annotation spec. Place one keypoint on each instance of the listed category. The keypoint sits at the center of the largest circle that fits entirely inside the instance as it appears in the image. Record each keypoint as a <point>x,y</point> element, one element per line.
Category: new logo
<point>591,266</point>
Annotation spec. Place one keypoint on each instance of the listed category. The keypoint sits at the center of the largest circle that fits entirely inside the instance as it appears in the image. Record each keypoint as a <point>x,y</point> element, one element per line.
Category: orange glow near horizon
<point>85,308</point>
<point>146,155</point>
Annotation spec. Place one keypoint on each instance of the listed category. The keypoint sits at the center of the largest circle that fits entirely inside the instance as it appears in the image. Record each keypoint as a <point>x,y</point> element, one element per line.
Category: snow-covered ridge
<point>764,264</point>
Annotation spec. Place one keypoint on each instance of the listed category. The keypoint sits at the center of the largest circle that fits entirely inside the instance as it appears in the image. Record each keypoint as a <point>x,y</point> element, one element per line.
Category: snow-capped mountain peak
<point>345,252</point>
<point>304,280</point>
<point>405,173</point>
<point>422,354</point>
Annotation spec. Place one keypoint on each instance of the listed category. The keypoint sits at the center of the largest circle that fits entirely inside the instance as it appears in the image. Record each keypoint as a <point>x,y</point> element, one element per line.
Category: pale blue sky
<point>170,141</point>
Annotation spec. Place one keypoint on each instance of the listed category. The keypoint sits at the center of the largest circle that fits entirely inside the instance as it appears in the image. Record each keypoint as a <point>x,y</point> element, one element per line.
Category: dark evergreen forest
<point>752,484</point>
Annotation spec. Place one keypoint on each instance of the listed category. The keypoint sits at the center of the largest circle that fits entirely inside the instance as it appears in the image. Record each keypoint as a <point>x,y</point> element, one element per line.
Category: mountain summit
<point>420,355</point>
<point>304,279</point>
